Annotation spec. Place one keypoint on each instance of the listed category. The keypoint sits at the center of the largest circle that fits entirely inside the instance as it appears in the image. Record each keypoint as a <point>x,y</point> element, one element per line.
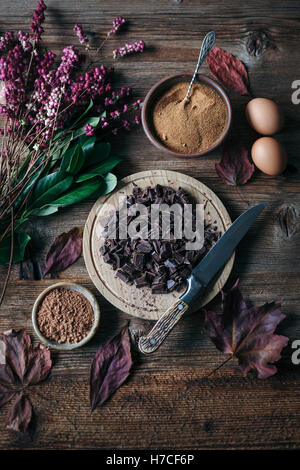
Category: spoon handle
<point>206,47</point>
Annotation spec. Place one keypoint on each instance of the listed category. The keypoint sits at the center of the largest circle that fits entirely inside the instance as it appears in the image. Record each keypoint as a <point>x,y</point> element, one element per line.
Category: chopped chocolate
<point>160,264</point>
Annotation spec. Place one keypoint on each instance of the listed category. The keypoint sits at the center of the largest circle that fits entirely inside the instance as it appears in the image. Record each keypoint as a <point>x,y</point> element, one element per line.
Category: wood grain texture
<point>141,302</point>
<point>226,410</point>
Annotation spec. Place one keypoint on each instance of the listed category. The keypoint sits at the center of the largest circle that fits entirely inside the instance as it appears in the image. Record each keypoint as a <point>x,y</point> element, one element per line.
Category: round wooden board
<point>141,302</point>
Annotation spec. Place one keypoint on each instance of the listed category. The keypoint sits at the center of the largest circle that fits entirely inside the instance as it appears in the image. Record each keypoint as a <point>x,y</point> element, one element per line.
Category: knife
<point>201,275</point>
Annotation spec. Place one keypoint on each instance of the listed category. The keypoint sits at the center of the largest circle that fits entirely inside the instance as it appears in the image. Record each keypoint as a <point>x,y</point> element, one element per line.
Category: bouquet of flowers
<point>55,122</point>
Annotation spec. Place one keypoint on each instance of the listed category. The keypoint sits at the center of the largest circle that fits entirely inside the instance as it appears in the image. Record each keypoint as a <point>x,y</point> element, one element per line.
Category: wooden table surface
<point>226,411</point>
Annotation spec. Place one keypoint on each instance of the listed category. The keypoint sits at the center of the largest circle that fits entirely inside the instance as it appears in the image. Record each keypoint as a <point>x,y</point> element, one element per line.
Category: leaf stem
<point>241,196</point>
<point>189,390</point>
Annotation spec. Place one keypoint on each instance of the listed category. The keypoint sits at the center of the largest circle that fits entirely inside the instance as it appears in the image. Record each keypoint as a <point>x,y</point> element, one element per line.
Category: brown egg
<point>264,116</point>
<point>269,156</point>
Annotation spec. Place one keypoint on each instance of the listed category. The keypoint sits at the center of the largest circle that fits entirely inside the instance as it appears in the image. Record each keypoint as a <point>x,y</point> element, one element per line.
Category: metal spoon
<point>206,46</point>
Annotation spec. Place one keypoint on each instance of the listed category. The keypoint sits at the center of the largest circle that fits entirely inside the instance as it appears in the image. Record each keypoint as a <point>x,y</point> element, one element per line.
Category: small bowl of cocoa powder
<point>65,316</point>
<point>188,128</point>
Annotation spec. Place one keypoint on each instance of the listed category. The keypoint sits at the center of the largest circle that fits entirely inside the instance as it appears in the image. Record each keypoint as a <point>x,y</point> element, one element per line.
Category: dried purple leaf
<point>39,365</point>
<point>19,414</point>
<point>247,334</point>
<point>230,71</point>
<point>5,395</point>
<point>65,250</point>
<point>235,168</point>
<point>20,365</point>
<point>17,345</point>
<point>110,368</point>
<point>6,375</point>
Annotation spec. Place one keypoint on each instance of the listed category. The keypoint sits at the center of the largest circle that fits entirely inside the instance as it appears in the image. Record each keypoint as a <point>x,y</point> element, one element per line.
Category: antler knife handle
<point>161,329</point>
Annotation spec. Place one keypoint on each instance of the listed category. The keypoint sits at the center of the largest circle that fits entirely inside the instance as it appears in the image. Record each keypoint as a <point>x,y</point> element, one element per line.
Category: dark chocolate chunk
<point>160,264</point>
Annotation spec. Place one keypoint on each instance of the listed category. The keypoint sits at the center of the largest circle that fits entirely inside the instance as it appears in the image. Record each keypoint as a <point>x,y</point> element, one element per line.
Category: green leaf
<point>110,181</point>
<point>76,161</point>
<point>80,192</point>
<point>20,242</point>
<point>91,103</point>
<point>44,211</point>
<point>58,135</point>
<point>100,152</point>
<point>63,147</point>
<point>29,185</point>
<point>49,187</point>
<point>99,170</point>
<point>67,158</point>
<point>88,144</point>
<point>93,121</point>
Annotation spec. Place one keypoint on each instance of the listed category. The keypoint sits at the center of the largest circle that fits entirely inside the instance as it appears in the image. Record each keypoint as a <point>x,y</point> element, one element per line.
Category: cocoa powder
<point>193,125</point>
<point>65,316</point>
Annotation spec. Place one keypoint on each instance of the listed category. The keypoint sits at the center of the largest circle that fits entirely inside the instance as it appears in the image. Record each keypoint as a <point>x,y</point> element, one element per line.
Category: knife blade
<point>220,253</point>
<point>201,275</point>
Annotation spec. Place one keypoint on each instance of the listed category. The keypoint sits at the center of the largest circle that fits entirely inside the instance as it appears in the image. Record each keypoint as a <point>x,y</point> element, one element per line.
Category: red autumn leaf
<point>230,71</point>
<point>235,167</point>
<point>38,365</point>
<point>5,395</point>
<point>6,375</point>
<point>65,250</point>
<point>19,414</point>
<point>247,334</point>
<point>17,345</point>
<point>110,368</point>
<point>20,365</point>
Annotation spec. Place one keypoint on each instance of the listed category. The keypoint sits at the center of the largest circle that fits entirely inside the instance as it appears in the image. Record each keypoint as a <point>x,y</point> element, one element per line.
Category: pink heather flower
<point>51,96</point>
<point>137,119</point>
<point>117,23</point>
<point>6,40</point>
<point>68,60</point>
<point>89,130</point>
<point>137,46</point>
<point>82,37</point>
<point>126,125</point>
<point>37,20</point>
<point>137,104</point>
<point>24,40</point>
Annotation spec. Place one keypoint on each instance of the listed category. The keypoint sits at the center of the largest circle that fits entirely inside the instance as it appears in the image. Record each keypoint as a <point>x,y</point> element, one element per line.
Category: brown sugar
<point>65,316</point>
<point>193,125</point>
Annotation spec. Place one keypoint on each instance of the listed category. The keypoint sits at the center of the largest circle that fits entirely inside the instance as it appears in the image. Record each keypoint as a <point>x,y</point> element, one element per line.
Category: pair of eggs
<point>267,153</point>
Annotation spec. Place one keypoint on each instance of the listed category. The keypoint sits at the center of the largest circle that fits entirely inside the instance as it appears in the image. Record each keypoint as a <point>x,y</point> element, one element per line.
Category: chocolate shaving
<point>160,264</point>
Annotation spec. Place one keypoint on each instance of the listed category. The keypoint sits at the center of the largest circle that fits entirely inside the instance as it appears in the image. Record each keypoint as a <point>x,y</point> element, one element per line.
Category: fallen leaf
<point>17,345</point>
<point>230,71</point>
<point>19,414</point>
<point>247,334</point>
<point>65,250</point>
<point>21,365</point>
<point>235,167</point>
<point>39,365</point>
<point>110,368</point>
<point>6,375</point>
<point>5,395</point>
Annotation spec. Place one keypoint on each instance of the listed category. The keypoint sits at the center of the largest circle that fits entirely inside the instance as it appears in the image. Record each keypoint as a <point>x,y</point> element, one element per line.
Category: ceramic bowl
<point>64,346</point>
<point>156,92</point>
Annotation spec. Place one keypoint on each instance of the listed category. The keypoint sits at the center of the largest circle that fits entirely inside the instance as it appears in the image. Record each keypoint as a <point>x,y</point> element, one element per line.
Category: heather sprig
<point>81,36</point>
<point>49,110</point>
<point>117,23</point>
<point>37,21</point>
<point>127,49</point>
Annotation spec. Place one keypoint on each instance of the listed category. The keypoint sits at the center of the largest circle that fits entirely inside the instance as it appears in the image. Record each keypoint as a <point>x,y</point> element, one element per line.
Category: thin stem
<point>241,196</point>
<point>10,258</point>
<point>206,377</point>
